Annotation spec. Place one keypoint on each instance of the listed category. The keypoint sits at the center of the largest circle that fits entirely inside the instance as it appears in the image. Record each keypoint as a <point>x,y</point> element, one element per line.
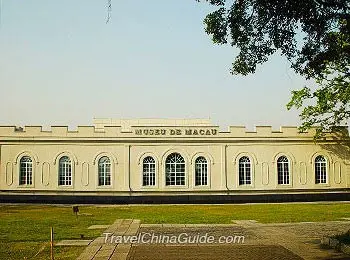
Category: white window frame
<point>66,182</point>
<point>325,166</point>
<point>177,175</point>
<point>27,167</point>
<point>243,166</point>
<point>283,174</point>
<point>201,169</point>
<point>148,174</point>
<point>104,169</point>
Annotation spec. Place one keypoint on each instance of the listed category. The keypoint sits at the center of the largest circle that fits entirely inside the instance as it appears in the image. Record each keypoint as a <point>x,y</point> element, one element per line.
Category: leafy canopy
<point>259,28</point>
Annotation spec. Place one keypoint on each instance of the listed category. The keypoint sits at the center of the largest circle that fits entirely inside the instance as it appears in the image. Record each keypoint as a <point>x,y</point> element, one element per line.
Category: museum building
<point>171,160</point>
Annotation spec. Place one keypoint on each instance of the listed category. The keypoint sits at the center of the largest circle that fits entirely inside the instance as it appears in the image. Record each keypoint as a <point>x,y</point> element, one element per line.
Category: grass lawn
<point>25,229</point>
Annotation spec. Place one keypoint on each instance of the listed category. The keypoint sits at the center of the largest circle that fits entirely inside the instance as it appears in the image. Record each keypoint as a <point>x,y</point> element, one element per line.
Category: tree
<point>259,28</point>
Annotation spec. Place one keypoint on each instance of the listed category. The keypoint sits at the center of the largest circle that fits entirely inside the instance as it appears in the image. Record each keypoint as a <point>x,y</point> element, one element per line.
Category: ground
<point>261,241</point>
<point>24,229</point>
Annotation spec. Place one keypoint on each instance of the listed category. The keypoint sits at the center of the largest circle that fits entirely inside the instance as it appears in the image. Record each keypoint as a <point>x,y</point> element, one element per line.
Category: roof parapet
<point>263,130</point>
<point>59,130</point>
<point>119,131</point>
<point>237,130</point>
<point>86,130</point>
<point>32,130</point>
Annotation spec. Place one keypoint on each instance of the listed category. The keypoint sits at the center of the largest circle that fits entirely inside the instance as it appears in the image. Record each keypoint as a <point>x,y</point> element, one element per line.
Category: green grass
<point>25,229</point>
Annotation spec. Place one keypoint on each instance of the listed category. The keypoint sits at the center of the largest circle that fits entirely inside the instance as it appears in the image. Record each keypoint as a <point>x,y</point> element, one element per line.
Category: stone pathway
<point>75,242</point>
<point>100,250</point>
<point>303,238</point>
<point>98,227</point>
<point>262,241</point>
<point>211,252</point>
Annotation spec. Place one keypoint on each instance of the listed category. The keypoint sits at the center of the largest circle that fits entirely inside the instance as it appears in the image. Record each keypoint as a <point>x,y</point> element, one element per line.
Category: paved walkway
<point>303,239</point>
<point>292,241</point>
<point>211,252</point>
<point>99,250</point>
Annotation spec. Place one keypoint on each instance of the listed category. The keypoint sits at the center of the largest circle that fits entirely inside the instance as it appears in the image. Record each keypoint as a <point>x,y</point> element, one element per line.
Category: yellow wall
<point>126,148</point>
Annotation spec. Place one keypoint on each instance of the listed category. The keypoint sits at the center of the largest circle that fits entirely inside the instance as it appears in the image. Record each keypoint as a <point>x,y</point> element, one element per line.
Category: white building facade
<point>164,157</point>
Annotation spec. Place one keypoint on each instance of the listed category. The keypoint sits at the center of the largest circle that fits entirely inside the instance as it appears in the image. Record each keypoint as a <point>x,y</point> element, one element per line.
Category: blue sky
<point>61,64</point>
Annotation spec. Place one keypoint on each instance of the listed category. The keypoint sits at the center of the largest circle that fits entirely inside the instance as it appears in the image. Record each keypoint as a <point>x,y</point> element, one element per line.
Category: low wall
<point>174,199</point>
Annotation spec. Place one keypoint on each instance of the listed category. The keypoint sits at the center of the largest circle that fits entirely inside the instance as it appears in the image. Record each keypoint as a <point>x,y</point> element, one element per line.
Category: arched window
<point>283,170</point>
<point>244,171</point>
<point>148,171</point>
<point>201,171</point>
<point>175,170</point>
<point>320,169</point>
<point>65,171</point>
<point>104,171</point>
<point>26,171</point>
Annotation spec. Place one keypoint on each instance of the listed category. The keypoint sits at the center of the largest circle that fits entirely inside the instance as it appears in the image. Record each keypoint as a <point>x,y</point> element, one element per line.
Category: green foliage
<point>344,238</point>
<point>259,28</point>
<point>331,101</point>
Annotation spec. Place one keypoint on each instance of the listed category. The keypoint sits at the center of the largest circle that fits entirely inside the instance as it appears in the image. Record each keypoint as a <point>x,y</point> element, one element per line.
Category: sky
<point>62,64</point>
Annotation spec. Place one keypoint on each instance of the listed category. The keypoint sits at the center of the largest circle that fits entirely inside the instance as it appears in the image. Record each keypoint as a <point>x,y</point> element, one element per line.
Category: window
<point>104,171</point>
<point>175,170</point>
<point>283,170</point>
<point>201,171</point>
<point>65,171</point>
<point>148,172</point>
<point>244,171</point>
<point>320,170</point>
<point>26,171</point>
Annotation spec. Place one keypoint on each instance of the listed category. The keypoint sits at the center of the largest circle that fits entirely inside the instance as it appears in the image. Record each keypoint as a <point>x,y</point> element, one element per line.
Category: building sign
<point>176,131</point>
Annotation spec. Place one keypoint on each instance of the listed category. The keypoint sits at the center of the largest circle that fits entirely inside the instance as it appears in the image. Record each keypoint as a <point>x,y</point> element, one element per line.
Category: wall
<point>127,147</point>
<point>222,163</point>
